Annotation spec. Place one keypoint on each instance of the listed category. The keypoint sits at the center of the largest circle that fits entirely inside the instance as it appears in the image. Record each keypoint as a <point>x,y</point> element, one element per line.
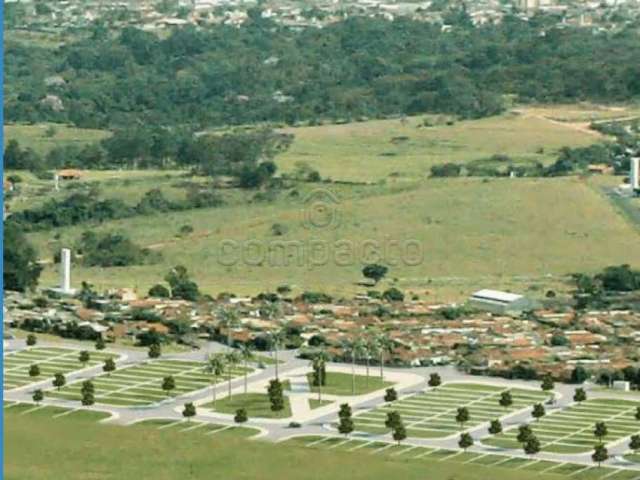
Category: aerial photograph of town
<point>321,239</point>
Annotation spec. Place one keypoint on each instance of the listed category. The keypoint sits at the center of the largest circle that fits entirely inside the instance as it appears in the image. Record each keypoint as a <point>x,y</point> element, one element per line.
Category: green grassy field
<point>104,452</point>
<point>432,414</point>
<point>374,150</point>
<point>571,430</point>
<point>36,136</point>
<point>141,384</point>
<point>342,384</point>
<point>507,233</point>
<point>256,404</point>
<point>50,360</point>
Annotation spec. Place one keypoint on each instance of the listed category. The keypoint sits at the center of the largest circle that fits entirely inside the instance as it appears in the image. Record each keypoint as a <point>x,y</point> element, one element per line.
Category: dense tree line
<point>360,67</point>
<point>84,207</point>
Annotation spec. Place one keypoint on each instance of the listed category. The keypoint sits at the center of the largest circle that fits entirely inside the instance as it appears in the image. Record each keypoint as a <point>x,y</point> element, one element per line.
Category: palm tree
<point>215,366</point>
<point>230,320</point>
<point>362,351</point>
<point>246,350</point>
<point>277,338</point>
<point>351,347</point>
<point>385,345</point>
<point>232,358</point>
<point>318,364</point>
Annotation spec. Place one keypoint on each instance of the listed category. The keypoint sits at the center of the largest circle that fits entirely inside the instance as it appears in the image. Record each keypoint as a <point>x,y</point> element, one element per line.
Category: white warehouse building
<point>498,302</point>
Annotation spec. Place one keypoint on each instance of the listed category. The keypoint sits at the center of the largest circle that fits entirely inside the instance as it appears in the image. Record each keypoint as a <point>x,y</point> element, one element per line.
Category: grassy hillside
<point>104,452</point>
<point>374,150</point>
<point>471,232</point>
<point>37,137</point>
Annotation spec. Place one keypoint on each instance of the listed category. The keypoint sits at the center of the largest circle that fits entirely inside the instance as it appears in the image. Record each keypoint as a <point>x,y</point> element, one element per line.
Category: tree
<point>393,419</point>
<point>21,268</point>
<point>579,375</point>
<point>31,340</point>
<point>277,338</point>
<point>524,433</point>
<point>215,367</point>
<point>532,445</point>
<point>374,272</point>
<point>600,454</point>
<point>399,432</point>
<point>232,359</point>
<point>434,380</point>
<point>634,443</point>
<point>547,383</point>
<point>109,366</point>
<point>579,395</point>
<point>393,294</point>
<point>100,344</point>
<point>38,396</point>
<point>189,411</point>
<point>241,416</point>
<point>87,386</point>
<point>276,396</point>
<point>246,351</point>
<point>154,350</point>
<point>159,291</point>
<point>465,441</point>
<point>600,431</point>
<point>637,414</point>
<point>390,395</point>
<point>34,371</point>
<point>385,345</point>
<point>538,411</point>
<point>495,427</point>
<point>319,365</point>
<point>84,358</point>
<point>87,399</point>
<point>168,384</point>
<point>462,416</point>
<point>182,287</point>
<point>345,426</point>
<point>506,400</point>
<point>59,381</point>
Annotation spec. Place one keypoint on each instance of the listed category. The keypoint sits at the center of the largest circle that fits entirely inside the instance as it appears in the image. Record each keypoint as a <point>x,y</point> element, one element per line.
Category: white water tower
<point>634,175</point>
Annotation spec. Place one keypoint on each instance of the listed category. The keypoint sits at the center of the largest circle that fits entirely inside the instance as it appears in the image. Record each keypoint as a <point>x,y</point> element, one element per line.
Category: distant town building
<point>498,302</point>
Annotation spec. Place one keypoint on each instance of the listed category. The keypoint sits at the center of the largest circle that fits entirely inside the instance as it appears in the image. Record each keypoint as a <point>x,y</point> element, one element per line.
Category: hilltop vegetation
<point>263,72</point>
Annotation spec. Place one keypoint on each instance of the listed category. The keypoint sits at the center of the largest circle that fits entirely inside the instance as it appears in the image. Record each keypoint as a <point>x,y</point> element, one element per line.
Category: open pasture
<point>570,430</point>
<point>420,455</point>
<point>432,413</point>
<point>50,360</point>
<point>141,384</point>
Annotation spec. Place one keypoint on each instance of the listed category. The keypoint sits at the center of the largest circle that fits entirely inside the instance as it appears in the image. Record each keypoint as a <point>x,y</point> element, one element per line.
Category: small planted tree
<point>59,381</point>
<point>189,411</point>
<point>276,396</point>
<point>634,443</point>
<point>506,400</point>
<point>600,454</point>
<point>600,431</point>
<point>87,386</point>
<point>393,418</point>
<point>31,340</point>
<point>390,395</point>
<point>465,441</point>
<point>637,415</point>
<point>538,411</point>
<point>524,433</point>
<point>168,384</point>
<point>462,416</point>
<point>34,371</point>
<point>345,426</point>
<point>109,366</point>
<point>154,350</point>
<point>434,380</point>
<point>495,427</point>
<point>84,358</point>
<point>38,396</point>
<point>579,395</point>
<point>532,445</point>
<point>547,383</point>
<point>399,432</point>
<point>87,399</point>
<point>100,344</point>
<point>241,416</point>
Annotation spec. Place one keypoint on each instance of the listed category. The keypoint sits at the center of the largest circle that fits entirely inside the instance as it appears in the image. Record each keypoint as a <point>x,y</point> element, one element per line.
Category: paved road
<point>317,422</point>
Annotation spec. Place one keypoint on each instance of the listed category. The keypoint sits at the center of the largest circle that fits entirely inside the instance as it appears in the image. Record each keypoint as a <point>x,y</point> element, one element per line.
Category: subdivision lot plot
<point>571,430</point>
<point>142,384</point>
<point>50,360</point>
<point>432,413</point>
